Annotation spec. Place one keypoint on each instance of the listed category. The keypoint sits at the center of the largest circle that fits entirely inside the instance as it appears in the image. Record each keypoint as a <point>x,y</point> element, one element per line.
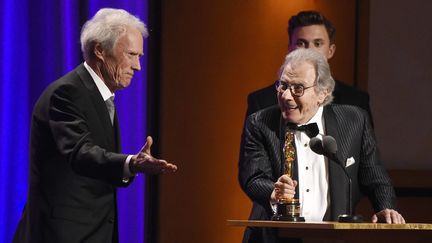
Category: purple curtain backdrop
<point>40,43</point>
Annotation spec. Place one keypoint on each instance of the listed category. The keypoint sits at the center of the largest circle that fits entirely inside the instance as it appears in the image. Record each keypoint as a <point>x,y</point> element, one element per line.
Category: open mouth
<point>290,107</point>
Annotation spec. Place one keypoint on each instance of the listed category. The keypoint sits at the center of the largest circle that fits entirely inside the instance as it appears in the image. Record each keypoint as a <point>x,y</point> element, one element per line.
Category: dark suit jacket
<point>260,163</point>
<point>75,166</point>
<point>343,94</point>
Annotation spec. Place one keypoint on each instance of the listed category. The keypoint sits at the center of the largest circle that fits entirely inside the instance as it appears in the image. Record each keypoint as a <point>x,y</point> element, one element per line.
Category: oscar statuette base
<point>288,210</point>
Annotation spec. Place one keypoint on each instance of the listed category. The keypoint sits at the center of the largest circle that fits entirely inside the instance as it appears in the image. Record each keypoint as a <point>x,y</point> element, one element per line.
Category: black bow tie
<point>310,129</point>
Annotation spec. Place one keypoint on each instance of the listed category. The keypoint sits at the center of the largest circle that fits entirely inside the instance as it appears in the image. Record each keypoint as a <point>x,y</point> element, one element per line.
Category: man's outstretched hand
<point>144,162</point>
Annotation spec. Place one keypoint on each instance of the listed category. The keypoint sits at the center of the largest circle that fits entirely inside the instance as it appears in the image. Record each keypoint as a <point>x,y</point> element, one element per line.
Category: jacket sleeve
<point>373,177</point>
<point>255,170</point>
<point>74,140</point>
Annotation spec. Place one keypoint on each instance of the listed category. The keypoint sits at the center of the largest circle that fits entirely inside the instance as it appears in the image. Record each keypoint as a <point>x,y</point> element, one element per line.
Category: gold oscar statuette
<point>288,209</point>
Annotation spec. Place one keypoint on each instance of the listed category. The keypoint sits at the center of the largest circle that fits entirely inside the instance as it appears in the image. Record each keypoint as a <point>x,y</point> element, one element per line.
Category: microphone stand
<point>328,149</point>
<point>350,217</point>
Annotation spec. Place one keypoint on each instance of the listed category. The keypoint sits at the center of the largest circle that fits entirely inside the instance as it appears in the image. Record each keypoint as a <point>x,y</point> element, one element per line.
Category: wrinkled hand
<point>284,188</point>
<point>144,162</point>
<point>388,216</point>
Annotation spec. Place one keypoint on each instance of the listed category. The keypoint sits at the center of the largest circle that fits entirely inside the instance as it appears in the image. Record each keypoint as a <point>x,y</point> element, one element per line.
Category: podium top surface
<point>329,225</point>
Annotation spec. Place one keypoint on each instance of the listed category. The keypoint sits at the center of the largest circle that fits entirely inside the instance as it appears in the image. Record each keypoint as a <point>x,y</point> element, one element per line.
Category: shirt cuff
<point>126,171</point>
<point>273,206</point>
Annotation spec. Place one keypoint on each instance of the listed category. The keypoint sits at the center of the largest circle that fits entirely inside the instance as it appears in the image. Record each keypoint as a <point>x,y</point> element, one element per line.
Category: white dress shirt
<point>312,174</point>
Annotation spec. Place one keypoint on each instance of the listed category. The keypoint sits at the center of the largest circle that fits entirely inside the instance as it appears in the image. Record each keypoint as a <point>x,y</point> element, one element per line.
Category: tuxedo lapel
<point>338,182</point>
<point>331,126</point>
<point>281,137</point>
<point>117,133</point>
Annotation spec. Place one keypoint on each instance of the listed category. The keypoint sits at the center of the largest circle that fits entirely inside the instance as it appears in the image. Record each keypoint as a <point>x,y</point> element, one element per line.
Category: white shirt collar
<point>103,89</point>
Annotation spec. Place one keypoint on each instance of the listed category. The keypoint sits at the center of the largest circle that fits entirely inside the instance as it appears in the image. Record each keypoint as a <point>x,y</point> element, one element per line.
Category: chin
<point>289,117</point>
<point>124,84</point>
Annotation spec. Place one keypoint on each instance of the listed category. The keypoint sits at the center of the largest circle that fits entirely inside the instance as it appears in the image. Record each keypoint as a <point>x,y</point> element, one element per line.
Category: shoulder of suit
<point>269,113</point>
<point>265,119</point>
<point>347,110</point>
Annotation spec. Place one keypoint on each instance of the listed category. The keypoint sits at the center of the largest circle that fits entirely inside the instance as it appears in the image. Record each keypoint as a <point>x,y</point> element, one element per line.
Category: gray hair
<point>106,27</point>
<point>324,81</point>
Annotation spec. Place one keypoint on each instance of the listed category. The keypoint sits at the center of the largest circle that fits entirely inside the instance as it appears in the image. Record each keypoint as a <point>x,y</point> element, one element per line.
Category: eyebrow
<point>316,39</point>
<point>302,82</point>
<point>135,53</point>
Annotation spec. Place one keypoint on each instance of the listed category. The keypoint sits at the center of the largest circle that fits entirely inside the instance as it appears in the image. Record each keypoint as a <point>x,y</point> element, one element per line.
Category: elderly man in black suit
<point>311,30</point>
<point>304,93</point>
<point>75,159</point>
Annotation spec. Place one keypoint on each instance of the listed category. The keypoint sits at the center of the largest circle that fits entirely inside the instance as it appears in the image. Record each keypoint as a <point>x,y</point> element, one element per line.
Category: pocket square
<point>350,161</point>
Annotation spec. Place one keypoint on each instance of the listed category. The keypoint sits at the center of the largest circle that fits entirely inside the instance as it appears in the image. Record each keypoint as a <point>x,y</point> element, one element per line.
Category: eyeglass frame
<point>291,87</point>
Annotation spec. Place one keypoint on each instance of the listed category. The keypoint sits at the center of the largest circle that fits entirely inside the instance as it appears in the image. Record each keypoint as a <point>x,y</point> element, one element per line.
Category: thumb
<point>374,218</point>
<point>147,145</point>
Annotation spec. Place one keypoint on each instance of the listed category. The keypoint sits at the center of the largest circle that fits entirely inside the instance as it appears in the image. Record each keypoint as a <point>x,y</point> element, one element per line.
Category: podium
<point>344,232</point>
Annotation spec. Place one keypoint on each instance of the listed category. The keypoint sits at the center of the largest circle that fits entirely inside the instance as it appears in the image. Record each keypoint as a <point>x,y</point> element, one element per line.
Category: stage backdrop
<point>39,43</point>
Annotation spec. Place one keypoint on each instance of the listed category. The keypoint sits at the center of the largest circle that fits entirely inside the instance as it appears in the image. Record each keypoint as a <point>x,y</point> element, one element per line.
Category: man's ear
<point>99,52</point>
<point>322,96</point>
<point>332,51</point>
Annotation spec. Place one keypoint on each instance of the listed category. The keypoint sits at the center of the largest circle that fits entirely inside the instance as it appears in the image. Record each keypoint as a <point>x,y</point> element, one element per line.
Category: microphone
<point>316,145</point>
<point>328,148</point>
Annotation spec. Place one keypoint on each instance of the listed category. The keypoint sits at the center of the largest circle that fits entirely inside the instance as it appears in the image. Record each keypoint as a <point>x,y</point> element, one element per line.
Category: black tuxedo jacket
<point>260,163</point>
<point>343,94</point>
<point>75,166</point>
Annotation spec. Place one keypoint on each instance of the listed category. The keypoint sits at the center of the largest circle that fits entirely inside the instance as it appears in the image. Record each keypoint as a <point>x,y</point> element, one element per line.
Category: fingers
<point>388,216</point>
<point>285,187</point>
<point>286,179</point>
<point>284,193</point>
<point>144,162</point>
<point>396,218</point>
<point>169,168</point>
<point>151,165</point>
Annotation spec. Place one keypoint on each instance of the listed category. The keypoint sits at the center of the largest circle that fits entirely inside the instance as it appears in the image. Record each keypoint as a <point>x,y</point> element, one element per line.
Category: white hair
<point>324,81</point>
<point>106,27</point>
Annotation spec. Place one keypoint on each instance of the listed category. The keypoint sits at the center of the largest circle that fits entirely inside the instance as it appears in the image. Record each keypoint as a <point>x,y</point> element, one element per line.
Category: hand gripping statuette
<point>288,209</point>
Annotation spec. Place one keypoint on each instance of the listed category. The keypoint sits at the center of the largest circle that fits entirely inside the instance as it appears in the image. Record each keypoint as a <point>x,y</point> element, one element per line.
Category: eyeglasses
<point>296,90</point>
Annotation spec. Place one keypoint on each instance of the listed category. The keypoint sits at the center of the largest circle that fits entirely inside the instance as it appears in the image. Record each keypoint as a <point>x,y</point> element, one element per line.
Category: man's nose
<point>136,65</point>
<point>286,95</point>
<point>312,47</point>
